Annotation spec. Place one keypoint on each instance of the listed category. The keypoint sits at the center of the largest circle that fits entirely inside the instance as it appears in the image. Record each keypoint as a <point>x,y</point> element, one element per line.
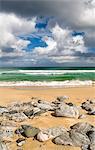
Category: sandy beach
<point>76,96</point>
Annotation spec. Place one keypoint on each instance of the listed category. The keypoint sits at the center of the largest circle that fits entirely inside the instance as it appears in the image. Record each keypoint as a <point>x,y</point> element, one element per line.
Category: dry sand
<point>77,96</point>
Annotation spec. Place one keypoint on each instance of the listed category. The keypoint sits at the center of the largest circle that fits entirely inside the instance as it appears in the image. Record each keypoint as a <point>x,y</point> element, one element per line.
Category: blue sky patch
<point>75,33</point>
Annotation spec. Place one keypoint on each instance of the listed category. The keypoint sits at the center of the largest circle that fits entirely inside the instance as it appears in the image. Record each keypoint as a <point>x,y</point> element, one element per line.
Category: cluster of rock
<point>80,134</point>
<point>22,111</point>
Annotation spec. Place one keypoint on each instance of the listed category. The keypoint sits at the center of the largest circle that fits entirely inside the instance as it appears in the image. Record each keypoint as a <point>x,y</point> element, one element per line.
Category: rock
<point>79,139</point>
<point>92,112</point>
<point>19,131</point>
<point>35,112</point>
<point>6,123</point>
<point>24,126</point>
<point>70,104</point>
<point>44,106</point>
<point>82,127</point>
<point>85,147</point>
<point>20,142</point>
<point>65,110</point>
<point>30,131</point>
<point>3,110</point>
<point>89,106</point>
<point>63,139</point>
<point>82,116</point>
<point>62,98</point>
<point>6,133</point>
<point>18,117</point>
<point>92,147</point>
<point>20,107</point>
<point>50,133</point>
<point>3,146</point>
<point>29,113</point>
<point>91,135</point>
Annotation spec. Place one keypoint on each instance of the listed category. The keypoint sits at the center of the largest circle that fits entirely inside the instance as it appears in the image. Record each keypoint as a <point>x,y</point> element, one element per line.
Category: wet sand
<point>77,96</point>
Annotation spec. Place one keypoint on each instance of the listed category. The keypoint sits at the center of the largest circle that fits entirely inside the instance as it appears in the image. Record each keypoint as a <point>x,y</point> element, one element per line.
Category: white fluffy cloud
<point>11,27</point>
<point>62,46</point>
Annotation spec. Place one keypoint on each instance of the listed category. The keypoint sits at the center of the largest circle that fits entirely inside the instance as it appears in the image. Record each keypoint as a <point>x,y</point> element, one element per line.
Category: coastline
<point>53,84</point>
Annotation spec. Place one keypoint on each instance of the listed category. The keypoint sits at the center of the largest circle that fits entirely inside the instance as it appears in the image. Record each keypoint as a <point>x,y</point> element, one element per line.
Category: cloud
<point>11,26</point>
<point>77,14</point>
<point>17,18</point>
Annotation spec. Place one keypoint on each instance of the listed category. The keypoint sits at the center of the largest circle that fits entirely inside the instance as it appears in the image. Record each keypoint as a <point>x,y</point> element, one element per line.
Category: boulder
<point>30,131</point>
<point>65,110</point>
<point>63,139</point>
<point>3,146</point>
<point>82,127</point>
<point>79,139</point>
<point>50,133</point>
<point>44,106</point>
<point>18,117</point>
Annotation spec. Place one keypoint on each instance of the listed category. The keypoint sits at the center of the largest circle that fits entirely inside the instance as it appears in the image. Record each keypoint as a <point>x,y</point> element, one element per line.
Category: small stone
<point>3,110</point>
<point>20,142</point>
<point>82,116</point>
<point>62,98</point>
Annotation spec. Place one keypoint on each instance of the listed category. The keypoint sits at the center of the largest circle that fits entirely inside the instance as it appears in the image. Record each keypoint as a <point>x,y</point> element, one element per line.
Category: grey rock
<point>89,106</point>
<point>18,117</point>
<point>3,146</point>
<point>20,107</point>
<point>92,112</point>
<point>82,116</point>
<point>63,139</point>
<point>79,139</point>
<point>65,110</point>
<point>82,127</point>
<point>3,110</point>
<point>20,142</point>
<point>85,147</point>
<point>91,135</point>
<point>43,106</point>
<point>34,112</point>
<point>50,133</point>
<point>6,133</point>
<point>92,147</point>
<point>62,98</point>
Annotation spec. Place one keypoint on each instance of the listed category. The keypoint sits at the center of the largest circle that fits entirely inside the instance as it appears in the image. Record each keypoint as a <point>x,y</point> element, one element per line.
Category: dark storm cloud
<point>28,7</point>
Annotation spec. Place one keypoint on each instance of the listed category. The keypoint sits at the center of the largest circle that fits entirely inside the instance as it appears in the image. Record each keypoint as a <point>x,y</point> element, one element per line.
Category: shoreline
<point>53,84</point>
<point>77,95</point>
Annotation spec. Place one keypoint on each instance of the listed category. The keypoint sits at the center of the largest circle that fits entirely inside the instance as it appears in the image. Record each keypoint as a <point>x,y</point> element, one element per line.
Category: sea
<point>47,74</point>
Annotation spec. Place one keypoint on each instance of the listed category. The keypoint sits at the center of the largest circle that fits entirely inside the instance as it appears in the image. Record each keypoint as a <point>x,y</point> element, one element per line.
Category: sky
<point>50,33</point>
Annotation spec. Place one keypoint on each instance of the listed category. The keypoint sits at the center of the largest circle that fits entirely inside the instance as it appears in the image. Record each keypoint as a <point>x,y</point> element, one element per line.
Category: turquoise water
<point>47,73</point>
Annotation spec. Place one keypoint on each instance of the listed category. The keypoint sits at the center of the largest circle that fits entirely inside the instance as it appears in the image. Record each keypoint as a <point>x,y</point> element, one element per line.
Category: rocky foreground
<point>12,126</point>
